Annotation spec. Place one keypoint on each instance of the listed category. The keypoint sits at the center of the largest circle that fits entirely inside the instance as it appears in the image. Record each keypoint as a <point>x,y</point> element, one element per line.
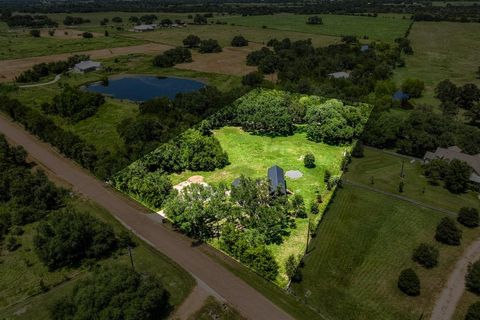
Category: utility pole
<point>131,257</point>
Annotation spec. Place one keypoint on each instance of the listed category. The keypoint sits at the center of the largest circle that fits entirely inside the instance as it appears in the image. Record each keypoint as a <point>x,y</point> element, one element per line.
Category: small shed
<point>87,66</point>
<point>400,96</point>
<point>145,27</point>
<point>339,75</point>
<point>364,48</point>
<point>276,176</point>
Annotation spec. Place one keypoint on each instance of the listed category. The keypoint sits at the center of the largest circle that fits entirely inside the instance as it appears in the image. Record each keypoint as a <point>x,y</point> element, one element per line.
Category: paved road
<point>450,296</point>
<point>241,296</point>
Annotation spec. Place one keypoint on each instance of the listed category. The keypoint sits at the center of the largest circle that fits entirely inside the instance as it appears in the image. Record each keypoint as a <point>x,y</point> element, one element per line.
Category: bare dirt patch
<point>230,61</point>
<point>9,69</point>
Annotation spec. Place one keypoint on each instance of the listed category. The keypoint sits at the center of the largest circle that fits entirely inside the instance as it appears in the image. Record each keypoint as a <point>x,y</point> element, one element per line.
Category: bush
<point>309,160</point>
<point>413,87</point>
<point>472,278</point>
<point>173,56</point>
<point>239,41</point>
<point>252,79</point>
<point>87,35</point>
<point>191,41</point>
<point>409,283</point>
<point>209,46</point>
<point>12,243</point>
<point>473,312</point>
<point>468,217</point>
<point>35,33</point>
<point>314,208</point>
<point>448,233</point>
<point>426,255</point>
<point>314,20</point>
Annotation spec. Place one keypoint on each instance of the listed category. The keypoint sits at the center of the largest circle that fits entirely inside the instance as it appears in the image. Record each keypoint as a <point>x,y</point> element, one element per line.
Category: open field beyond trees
<point>442,50</point>
<point>364,241</point>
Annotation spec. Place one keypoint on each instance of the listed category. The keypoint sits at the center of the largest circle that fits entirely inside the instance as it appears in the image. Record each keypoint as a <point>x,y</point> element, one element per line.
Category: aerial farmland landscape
<point>189,160</point>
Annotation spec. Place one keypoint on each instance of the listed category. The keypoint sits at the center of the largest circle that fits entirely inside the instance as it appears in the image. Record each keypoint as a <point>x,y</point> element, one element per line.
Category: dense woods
<point>42,70</point>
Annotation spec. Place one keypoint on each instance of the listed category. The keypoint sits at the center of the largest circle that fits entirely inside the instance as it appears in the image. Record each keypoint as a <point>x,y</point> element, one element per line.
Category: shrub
<point>12,243</point>
<point>473,312</point>
<point>209,46</point>
<point>468,217</point>
<point>426,255</point>
<point>239,41</point>
<point>291,266</point>
<point>413,87</point>
<point>409,283</point>
<point>35,33</point>
<point>191,41</point>
<point>472,279</point>
<point>252,79</point>
<point>314,208</point>
<point>314,20</point>
<point>448,233</point>
<point>87,35</point>
<point>309,160</point>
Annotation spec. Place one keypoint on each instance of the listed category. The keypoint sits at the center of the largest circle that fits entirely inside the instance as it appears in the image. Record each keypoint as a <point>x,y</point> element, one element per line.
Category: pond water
<point>142,88</point>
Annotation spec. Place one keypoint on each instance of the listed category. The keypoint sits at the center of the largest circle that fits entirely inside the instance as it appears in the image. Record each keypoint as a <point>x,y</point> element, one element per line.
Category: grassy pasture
<point>363,242</point>
<point>442,50</point>
<point>252,155</point>
<point>385,28</point>
<point>385,170</point>
<point>22,271</point>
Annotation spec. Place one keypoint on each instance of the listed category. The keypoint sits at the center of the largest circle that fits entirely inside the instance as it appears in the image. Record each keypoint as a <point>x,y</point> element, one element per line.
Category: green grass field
<point>22,271</point>
<point>442,50</point>
<point>385,28</point>
<point>385,170</point>
<point>363,242</point>
<point>252,155</point>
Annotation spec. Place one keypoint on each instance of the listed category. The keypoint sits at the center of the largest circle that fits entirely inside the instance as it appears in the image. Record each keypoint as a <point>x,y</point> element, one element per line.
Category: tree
<point>457,176</point>
<point>191,41</point>
<point>468,217</point>
<point>239,41</point>
<point>314,20</point>
<point>106,33</point>
<point>446,91</point>
<point>298,205</point>
<point>472,278</point>
<point>426,255</point>
<point>117,20</point>
<point>309,160</point>
<point>413,87</point>
<point>253,79</point>
<point>291,266</point>
<point>314,208</point>
<point>200,19</point>
<point>35,33</point>
<point>209,46</point>
<point>473,312</point>
<point>116,292</point>
<point>409,283</point>
<point>357,151</point>
<point>468,95</point>
<point>269,64</point>
<point>447,232</point>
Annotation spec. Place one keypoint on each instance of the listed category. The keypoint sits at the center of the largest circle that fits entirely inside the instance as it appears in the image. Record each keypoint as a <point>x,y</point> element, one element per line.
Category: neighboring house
<point>276,176</point>
<point>455,152</point>
<point>87,66</point>
<point>144,27</point>
<point>400,96</point>
<point>364,48</point>
<point>339,75</point>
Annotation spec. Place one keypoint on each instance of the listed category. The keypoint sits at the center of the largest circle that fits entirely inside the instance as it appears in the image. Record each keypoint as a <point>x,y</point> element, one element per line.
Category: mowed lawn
<point>252,155</point>
<point>385,28</point>
<point>385,170</point>
<point>442,50</point>
<point>363,242</point>
<point>22,271</point>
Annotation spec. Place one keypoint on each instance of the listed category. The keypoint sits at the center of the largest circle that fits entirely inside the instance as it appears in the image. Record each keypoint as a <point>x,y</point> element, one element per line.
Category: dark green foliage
<point>254,58</point>
<point>473,312</point>
<point>409,283</point>
<point>67,237</point>
<point>413,87</point>
<point>200,19</point>
<point>70,21</point>
<point>173,56</point>
<point>239,41</point>
<point>314,208</point>
<point>35,33</point>
<point>28,21</point>
<point>447,232</point>
<point>114,293</point>
<point>191,41</point>
<point>117,20</point>
<point>253,79</point>
<point>41,70</point>
<point>314,20</point>
<point>87,35</point>
<point>357,151</point>
<point>426,255</point>
<point>291,266</point>
<point>309,160</point>
<point>209,46</point>
<point>269,64</point>
<point>298,205</point>
<point>472,278</point>
<point>457,176</point>
<point>75,104</point>
<point>12,243</point>
<point>468,217</point>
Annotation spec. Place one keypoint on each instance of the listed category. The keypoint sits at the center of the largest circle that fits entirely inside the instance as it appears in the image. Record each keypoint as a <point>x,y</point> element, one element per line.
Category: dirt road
<point>9,69</point>
<point>235,291</point>
<point>447,301</point>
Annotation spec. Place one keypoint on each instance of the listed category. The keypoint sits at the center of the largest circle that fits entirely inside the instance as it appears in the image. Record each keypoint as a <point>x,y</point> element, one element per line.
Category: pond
<point>142,88</point>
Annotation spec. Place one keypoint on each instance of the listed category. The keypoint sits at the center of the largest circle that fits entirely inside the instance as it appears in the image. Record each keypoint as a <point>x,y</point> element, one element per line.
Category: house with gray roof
<point>87,66</point>
<point>144,27</point>
<point>276,177</point>
<point>455,152</point>
<point>339,75</point>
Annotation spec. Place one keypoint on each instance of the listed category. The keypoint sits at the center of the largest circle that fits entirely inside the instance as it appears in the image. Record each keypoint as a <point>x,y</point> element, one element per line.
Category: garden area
<point>224,161</point>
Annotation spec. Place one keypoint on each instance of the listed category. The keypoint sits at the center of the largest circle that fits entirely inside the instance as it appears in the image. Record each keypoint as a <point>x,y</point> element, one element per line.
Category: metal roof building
<point>86,66</point>
<point>276,176</point>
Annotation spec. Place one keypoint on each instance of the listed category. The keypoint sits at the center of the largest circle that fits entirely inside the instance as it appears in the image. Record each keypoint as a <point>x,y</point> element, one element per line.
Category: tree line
<point>41,70</point>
